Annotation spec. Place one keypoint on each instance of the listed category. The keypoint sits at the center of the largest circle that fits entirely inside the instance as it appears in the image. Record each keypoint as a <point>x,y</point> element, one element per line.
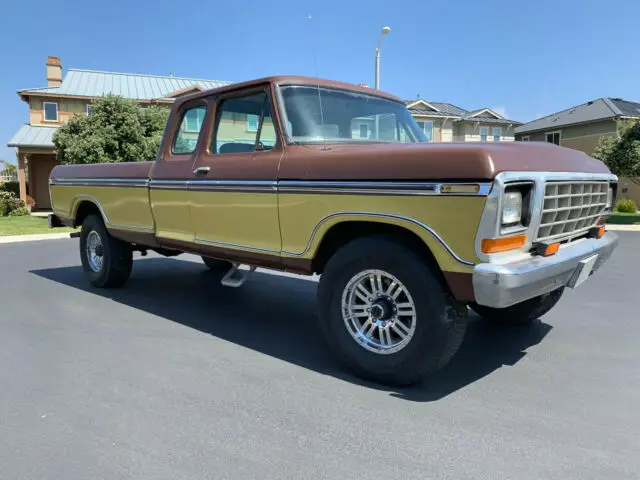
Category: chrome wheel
<point>378,311</point>
<point>95,251</point>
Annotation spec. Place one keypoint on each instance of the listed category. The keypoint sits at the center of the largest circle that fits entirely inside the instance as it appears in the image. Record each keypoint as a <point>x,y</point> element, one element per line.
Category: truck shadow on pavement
<point>276,315</point>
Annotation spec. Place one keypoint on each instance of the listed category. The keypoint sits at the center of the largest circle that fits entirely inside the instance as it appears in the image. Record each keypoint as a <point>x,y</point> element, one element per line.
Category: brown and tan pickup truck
<point>312,176</point>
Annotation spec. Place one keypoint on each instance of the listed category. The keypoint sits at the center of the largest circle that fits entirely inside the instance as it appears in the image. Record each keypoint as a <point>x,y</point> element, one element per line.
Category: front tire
<point>521,313</point>
<point>385,314</point>
<point>106,261</point>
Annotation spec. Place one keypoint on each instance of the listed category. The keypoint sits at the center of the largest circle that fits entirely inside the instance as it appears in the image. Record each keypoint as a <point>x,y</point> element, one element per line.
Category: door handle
<point>201,170</point>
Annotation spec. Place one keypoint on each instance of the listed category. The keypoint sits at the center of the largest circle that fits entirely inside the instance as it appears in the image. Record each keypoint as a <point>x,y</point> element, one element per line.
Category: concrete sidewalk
<point>624,228</point>
<point>33,238</point>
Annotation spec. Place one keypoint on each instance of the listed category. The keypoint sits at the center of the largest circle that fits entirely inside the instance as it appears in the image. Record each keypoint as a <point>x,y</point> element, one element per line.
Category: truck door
<point>233,192</point>
<point>172,172</point>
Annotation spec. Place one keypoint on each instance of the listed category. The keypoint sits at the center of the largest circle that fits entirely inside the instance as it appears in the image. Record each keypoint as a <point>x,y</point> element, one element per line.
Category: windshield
<point>319,114</point>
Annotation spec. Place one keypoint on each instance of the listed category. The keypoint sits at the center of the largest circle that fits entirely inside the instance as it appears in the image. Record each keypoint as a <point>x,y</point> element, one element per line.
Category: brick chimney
<point>54,72</point>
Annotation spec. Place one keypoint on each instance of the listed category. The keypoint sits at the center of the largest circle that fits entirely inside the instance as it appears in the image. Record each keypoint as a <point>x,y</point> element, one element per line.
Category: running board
<point>236,277</point>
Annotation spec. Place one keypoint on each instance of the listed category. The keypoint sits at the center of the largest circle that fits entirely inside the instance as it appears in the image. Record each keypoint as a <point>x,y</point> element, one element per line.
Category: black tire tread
<point>118,256</point>
<point>411,368</point>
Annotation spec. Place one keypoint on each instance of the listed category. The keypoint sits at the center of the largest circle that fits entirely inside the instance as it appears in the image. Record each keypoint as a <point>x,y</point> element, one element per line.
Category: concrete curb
<point>33,238</point>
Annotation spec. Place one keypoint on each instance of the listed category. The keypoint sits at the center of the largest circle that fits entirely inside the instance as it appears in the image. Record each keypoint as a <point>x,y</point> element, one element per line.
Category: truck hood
<point>425,161</point>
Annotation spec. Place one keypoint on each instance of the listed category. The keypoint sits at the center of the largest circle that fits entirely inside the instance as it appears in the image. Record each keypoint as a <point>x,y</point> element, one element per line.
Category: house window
<point>497,133</point>
<point>193,119</point>
<point>553,137</point>
<point>187,137</point>
<point>484,134</point>
<point>427,128</point>
<point>364,131</point>
<point>525,139</point>
<point>252,123</point>
<point>50,111</point>
<point>89,110</point>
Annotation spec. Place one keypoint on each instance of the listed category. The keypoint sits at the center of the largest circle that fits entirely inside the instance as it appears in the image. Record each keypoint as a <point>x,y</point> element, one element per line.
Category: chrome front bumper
<point>503,285</point>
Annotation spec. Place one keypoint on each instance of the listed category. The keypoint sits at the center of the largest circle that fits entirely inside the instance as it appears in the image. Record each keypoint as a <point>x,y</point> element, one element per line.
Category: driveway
<point>175,377</point>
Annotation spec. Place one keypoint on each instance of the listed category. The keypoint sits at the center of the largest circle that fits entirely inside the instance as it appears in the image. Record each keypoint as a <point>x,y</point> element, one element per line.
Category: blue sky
<point>525,59</point>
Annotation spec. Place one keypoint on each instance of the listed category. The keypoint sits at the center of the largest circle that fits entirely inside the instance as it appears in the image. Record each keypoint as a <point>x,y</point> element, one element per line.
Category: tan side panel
<point>242,219</point>
<point>172,214</point>
<point>125,207</point>
<point>454,219</point>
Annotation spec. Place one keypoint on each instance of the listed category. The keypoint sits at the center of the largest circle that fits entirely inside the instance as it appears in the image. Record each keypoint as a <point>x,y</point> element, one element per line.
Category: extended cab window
<point>189,131</point>
<point>244,124</point>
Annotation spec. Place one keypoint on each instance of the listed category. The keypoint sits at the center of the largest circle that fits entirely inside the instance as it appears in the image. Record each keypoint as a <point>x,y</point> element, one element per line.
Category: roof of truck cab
<point>289,80</point>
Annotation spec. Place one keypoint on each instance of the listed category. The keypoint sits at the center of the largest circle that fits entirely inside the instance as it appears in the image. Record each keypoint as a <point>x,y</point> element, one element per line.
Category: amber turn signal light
<point>597,232</point>
<point>546,249</point>
<point>495,245</point>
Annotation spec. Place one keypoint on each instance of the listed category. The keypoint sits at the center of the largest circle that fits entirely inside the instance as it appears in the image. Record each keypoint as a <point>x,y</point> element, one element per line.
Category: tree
<point>118,130</point>
<point>8,169</point>
<point>622,154</point>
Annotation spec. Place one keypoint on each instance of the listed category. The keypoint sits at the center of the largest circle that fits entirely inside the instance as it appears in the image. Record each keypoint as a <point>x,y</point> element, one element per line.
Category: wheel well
<point>345,232</point>
<point>85,209</point>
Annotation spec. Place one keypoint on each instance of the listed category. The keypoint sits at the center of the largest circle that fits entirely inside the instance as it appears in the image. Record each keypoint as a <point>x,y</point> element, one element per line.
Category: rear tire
<point>216,265</point>
<point>521,313</point>
<point>106,261</point>
<point>432,322</point>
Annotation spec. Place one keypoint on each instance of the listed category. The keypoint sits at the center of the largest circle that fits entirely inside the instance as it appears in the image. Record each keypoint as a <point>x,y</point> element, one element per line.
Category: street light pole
<point>385,30</point>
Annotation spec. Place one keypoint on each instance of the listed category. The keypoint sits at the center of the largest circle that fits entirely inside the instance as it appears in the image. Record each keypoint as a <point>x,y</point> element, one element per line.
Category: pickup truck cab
<point>313,176</point>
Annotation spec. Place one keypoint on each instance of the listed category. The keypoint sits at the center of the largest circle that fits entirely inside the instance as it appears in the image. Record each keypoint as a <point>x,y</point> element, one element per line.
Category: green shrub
<point>626,206</point>
<point>20,212</point>
<point>7,203</point>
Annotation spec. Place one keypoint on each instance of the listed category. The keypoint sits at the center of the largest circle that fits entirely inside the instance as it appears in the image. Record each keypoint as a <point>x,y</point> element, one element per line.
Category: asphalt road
<point>175,377</point>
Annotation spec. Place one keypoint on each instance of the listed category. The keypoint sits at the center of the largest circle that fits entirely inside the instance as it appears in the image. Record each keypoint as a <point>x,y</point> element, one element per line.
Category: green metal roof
<point>30,136</point>
<point>90,83</point>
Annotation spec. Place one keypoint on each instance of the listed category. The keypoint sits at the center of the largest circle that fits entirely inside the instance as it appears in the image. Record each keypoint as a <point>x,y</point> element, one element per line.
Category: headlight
<point>609,198</point>
<point>512,208</point>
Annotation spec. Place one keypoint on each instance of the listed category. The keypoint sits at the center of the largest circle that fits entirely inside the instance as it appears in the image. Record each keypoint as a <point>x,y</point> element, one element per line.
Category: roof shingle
<point>599,109</point>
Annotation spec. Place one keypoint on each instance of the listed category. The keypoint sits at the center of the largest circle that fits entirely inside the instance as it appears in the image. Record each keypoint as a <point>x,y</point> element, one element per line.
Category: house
<point>581,128</point>
<point>444,122</point>
<point>72,94</point>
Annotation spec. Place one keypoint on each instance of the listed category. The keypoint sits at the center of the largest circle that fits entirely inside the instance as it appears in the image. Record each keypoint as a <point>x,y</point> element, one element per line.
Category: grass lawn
<point>27,225</point>
<point>618,218</point>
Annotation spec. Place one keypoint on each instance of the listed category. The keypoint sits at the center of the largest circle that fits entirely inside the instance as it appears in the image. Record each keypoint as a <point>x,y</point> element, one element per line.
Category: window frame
<point>254,90</point>
<point>366,130</point>
<point>89,106</point>
<point>480,129</point>
<point>178,126</point>
<point>493,133</point>
<point>546,136</point>
<point>44,112</point>
<point>525,138</point>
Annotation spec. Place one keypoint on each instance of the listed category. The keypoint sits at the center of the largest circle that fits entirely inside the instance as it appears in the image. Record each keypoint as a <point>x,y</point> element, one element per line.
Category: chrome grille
<point>571,209</point>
